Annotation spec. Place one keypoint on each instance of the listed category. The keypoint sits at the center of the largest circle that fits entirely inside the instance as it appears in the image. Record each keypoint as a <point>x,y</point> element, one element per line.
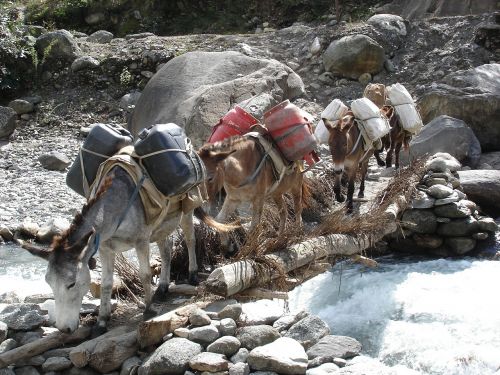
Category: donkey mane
<point>233,143</point>
<point>61,242</point>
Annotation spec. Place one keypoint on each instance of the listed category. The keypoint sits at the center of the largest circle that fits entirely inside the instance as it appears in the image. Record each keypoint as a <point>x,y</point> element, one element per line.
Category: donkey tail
<point>211,222</point>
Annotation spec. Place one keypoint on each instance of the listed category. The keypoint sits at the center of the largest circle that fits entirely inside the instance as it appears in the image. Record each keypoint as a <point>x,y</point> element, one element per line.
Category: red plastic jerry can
<point>236,122</point>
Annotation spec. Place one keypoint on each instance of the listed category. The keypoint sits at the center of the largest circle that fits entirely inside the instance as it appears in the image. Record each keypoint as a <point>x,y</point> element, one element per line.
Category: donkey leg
<point>350,192</point>
<point>380,162</point>
<point>364,169</point>
<point>107,256</point>
<point>142,250</point>
<point>388,159</point>
<point>227,210</point>
<point>396,151</point>
<point>297,205</point>
<point>165,247</point>
<point>188,229</point>
<point>337,188</point>
<point>257,207</point>
<point>283,212</point>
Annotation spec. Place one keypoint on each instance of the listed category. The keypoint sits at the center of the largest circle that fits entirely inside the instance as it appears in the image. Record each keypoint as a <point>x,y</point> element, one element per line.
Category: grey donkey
<point>70,256</point>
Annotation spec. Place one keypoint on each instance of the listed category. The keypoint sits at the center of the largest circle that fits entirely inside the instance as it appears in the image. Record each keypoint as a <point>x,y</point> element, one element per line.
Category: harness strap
<point>252,177</point>
<point>293,129</point>
<point>97,242</point>
<point>94,153</point>
<point>356,144</point>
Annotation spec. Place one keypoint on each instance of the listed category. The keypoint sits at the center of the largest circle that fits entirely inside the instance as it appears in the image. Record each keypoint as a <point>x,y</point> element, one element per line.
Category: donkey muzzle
<point>338,171</point>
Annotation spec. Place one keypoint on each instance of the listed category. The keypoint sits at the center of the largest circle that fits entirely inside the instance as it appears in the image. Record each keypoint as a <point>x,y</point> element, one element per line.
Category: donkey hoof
<point>361,195</point>
<point>193,278</point>
<point>340,198</point>
<point>148,314</point>
<point>161,293</point>
<point>97,330</point>
<point>380,163</point>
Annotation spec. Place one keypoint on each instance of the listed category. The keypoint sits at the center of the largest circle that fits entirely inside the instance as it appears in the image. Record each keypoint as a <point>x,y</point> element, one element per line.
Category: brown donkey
<point>346,146</point>
<point>248,176</point>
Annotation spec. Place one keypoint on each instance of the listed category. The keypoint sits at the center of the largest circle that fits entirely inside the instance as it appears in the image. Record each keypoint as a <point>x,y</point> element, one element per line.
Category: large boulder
<point>490,159</point>
<point>392,29</point>
<point>445,134</point>
<point>472,96</point>
<point>411,9</point>
<point>483,187</point>
<point>57,45</point>
<point>195,89</point>
<point>353,55</point>
<point>7,121</point>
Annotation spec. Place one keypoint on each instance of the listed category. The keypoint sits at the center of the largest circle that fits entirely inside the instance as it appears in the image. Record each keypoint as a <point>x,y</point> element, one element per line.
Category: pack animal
<point>236,160</point>
<point>96,227</point>
<point>346,147</point>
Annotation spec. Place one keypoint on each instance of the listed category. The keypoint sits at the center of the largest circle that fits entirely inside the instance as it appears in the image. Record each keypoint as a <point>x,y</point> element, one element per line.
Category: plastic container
<point>373,124</point>
<point>291,129</point>
<point>103,141</point>
<point>236,122</point>
<point>405,108</point>
<point>168,157</point>
<point>334,111</point>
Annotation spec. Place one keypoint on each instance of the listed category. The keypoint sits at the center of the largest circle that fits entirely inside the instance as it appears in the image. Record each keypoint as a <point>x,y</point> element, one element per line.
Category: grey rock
<point>199,318</point>
<point>37,360</point>
<point>308,331</point>
<point>481,236</point>
<point>139,36</point>
<point>22,316</point>
<point>440,191</point>
<point>204,335</point>
<point>491,158</point>
<point>241,356</point>
<point>57,45</point>
<point>428,241</point>
<point>483,187</point>
<point>331,346</point>
<point>326,368</point>
<point>422,200</point>
<point>435,181</point>
<point>7,371</point>
<point>487,224</point>
<point>56,364</point>
<point>239,369</point>
<point>171,357</point>
<point>7,345</point>
<point>284,356</point>
<point>54,226</point>
<point>128,101</point>
<point>454,197</point>
<point>54,161</point>
<point>4,330</point>
<point>227,345</point>
<point>232,311</point>
<point>84,63</point>
<point>419,221</point>
<point>391,27</point>
<point>26,370</point>
<point>458,227</point>
<point>7,121</point>
<point>24,338</point>
<point>442,162</point>
<point>460,245</point>
<point>254,336</point>
<point>9,297</point>
<point>100,36</point>
<point>454,210</point>
<point>182,332</point>
<point>354,55</point>
<point>21,106</point>
<point>212,362</point>
<point>80,371</point>
<point>227,327</point>
<point>341,362</point>
<point>59,352</point>
<point>470,95</point>
<point>257,105</point>
<point>130,365</point>
<point>445,134</point>
<point>286,321</point>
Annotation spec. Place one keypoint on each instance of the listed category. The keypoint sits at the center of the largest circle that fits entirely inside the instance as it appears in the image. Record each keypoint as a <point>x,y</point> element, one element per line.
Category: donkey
<point>97,228</point>
<point>346,147</point>
<point>248,176</point>
<point>394,141</point>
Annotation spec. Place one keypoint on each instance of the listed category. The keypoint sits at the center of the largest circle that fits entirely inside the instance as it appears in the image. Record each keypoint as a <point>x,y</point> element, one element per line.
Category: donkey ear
<point>329,125</point>
<point>220,156</point>
<point>37,251</point>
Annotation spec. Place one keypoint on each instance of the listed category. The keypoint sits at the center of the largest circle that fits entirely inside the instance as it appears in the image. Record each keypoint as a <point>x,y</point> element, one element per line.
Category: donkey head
<point>339,140</point>
<point>68,275</point>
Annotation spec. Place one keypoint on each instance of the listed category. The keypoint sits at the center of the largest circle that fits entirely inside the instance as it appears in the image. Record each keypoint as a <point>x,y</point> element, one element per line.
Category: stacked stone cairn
<point>442,221</point>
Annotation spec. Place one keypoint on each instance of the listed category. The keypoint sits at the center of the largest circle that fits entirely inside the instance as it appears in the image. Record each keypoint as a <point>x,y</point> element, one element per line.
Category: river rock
<point>481,236</point>
<point>216,81</point>
<point>441,162</point>
<point>182,332</point>
<point>422,200</point>
<point>9,297</point>
<point>445,134</point>
<point>472,96</point>
<point>239,369</point>
<point>232,311</point>
<point>212,362</point>
<point>354,55</point>
<point>325,368</point>
<point>419,221</point>
<point>56,364</point>
<point>460,245</point>
<point>21,106</point>
<point>84,63</point>
<point>100,36</point>
<point>227,345</point>
<point>128,101</point>
<point>4,329</point>
<point>254,336</point>
<point>260,312</point>
<point>428,241</point>
<point>37,360</point>
<point>491,158</point>
<point>284,356</point>
<point>241,356</point>
<point>7,345</point>
<point>227,327</point>
<point>435,181</point>
<point>483,187</point>
<point>204,335</point>
<point>286,321</point>
<point>454,197</point>
<point>57,45</point>
<point>487,224</point>
<point>54,226</point>
<point>7,121</point>
<point>22,316</point>
<point>7,371</point>
<point>129,365</point>
<point>458,227</point>
<point>331,346</point>
<point>308,331</point>
<point>199,318</point>
<point>54,161</point>
<point>172,357</point>
<point>59,352</point>
<point>454,210</point>
<point>440,191</point>
<point>27,370</point>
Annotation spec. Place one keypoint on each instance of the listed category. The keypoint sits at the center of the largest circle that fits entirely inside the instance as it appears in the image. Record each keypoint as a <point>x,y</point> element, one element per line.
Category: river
<point>434,316</point>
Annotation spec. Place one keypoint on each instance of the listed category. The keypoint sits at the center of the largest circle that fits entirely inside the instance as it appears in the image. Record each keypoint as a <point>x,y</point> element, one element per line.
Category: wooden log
<point>106,353</point>
<point>53,340</point>
<point>185,289</point>
<point>152,331</point>
<point>263,294</point>
<point>238,276</point>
